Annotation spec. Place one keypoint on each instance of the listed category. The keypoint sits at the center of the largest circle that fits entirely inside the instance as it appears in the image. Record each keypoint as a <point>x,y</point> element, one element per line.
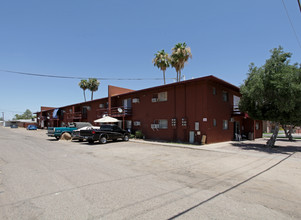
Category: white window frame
<point>214,122</point>
<point>257,126</point>
<point>163,123</point>
<point>162,96</point>
<point>225,95</point>
<point>213,90</point>
<point>225,125</point>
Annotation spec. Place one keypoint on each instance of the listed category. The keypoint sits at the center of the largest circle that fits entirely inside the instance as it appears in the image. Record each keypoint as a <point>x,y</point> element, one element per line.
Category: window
<point>128,124</point>
<point>214,122</point>
<point>127,103</point>
<point>225,124</point>
<point>162,96</point>
<point>196,126</point>
<point>173,122</point>
<point>163,124</point>
<point>225,97</point>
<point>184,122</point>
<point>135,100</point>
<point>257,126</point>
<point>214,91</point>
<point>159,97</point>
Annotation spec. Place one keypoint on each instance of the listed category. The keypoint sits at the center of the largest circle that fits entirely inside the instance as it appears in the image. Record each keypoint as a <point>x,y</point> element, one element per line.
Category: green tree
<point>83,84</point>
<point>180,55</point>
<point>26,115</point>
<point>273,92</point>
<point>161,61</point>
<point>93,86</point>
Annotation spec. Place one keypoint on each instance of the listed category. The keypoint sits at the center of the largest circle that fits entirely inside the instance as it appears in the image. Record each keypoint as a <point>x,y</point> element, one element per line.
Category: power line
<point>74,77</point>
<point>5,110</point>
<point>291,22</point>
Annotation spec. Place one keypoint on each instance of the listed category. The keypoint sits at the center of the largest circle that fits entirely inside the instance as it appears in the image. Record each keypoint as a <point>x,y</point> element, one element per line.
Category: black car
<point>105,133</point>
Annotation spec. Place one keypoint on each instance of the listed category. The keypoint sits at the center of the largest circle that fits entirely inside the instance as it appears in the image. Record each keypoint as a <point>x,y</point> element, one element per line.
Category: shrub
<point>139,134</point>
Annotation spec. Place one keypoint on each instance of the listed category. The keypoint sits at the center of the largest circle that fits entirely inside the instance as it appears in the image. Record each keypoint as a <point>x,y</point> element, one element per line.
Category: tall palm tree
<point>180,55</point>
<point>83,84</point>
<point>161,61</point>
<point>93,86</point>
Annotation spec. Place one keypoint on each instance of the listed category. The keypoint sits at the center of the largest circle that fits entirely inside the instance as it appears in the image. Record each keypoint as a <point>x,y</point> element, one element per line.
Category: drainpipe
<point>254,125</point>
<point>109,101</point>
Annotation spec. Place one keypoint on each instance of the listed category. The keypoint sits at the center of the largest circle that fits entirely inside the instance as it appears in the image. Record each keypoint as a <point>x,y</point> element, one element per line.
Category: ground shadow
<point>282,146</point>
<point>51,139</point>
<point>96,143</point>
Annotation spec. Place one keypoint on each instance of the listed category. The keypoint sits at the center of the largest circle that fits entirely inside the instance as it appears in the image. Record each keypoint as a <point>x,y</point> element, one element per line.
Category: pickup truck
<point>58,131</point>
<point>76,133</point>
<point>105,133</point>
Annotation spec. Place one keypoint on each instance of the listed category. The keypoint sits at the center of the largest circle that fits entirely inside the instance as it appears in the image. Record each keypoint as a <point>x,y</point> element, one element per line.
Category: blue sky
<point>118,39</point>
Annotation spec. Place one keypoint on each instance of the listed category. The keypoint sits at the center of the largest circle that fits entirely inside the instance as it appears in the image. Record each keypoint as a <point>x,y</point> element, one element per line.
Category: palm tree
<point>161,61</point>
<point>93,84</point>
<point>83,84</point>
<point>180,55</point>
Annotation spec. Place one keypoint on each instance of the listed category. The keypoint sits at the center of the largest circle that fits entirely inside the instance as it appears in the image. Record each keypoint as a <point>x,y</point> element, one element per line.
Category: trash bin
<point>204,139</point>
<point>251,136</point>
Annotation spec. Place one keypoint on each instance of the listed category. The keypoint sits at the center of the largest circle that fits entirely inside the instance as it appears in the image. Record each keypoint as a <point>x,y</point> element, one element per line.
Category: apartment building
<point>185,111</point>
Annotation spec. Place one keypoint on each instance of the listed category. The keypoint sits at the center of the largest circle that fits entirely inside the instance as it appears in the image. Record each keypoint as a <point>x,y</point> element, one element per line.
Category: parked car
<point>76,133</point>
<point>106,132</point>
<point>58,131</point>
<point>14,126</point>
<point>31,127</point>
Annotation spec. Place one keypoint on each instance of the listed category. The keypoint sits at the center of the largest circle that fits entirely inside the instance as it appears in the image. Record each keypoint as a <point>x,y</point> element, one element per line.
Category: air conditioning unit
<point>154,126</point>
<point>135,100</point>
<point>137,123</point>
<point>154,99</point>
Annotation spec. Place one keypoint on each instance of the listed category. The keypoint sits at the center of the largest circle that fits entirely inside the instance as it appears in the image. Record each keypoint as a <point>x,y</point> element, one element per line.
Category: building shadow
<point>282,146</point>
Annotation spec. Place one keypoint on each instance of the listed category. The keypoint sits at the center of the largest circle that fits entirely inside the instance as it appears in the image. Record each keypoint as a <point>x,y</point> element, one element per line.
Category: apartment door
<point>127,103</point>
<point>191,137</point>
<point>237,135</point>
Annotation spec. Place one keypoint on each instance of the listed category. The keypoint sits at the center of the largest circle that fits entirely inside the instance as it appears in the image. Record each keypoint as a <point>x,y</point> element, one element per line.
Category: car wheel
<point>91,141</point>
<point>126,138</point>
<point>103,140</point>
<point>57,137</point>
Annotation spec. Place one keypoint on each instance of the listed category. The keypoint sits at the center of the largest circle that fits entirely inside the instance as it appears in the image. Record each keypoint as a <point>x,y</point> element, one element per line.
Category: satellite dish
<point>120,110</point>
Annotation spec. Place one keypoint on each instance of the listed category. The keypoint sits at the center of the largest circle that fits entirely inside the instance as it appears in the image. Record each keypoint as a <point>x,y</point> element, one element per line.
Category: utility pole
<point>3,118</point>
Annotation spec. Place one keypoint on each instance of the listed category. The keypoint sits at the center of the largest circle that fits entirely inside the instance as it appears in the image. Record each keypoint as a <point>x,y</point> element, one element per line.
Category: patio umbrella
<point>106,119</point>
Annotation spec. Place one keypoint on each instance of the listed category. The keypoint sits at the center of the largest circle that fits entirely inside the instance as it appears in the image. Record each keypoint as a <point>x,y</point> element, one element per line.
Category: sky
<point>118,39</point>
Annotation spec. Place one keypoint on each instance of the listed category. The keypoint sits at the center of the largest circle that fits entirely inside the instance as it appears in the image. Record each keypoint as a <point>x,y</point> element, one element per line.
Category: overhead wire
<point>75,77</point>
<point>295,33</point>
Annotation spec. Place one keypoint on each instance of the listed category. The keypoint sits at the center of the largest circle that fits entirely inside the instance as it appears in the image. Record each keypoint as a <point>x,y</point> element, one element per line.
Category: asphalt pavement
<point>41,178</point>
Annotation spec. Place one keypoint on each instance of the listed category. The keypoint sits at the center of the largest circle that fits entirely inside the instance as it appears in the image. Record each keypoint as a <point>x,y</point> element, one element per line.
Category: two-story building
<point>185,111</point>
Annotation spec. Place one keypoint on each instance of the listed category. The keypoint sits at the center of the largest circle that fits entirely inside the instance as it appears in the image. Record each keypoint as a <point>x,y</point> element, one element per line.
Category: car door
<point>117,132</point>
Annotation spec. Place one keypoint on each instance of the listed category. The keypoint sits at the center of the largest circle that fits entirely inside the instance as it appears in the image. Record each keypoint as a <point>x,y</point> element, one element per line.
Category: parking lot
<point>41,178</point>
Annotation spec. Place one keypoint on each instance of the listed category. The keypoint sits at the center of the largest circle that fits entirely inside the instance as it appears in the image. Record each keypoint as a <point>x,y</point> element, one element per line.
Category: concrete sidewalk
<point>234,146</point>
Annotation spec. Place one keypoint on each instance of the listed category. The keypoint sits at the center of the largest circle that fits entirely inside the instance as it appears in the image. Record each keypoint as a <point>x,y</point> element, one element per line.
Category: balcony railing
<point>236,110</point>
<point>74,115</point>
<point>115,112</point>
